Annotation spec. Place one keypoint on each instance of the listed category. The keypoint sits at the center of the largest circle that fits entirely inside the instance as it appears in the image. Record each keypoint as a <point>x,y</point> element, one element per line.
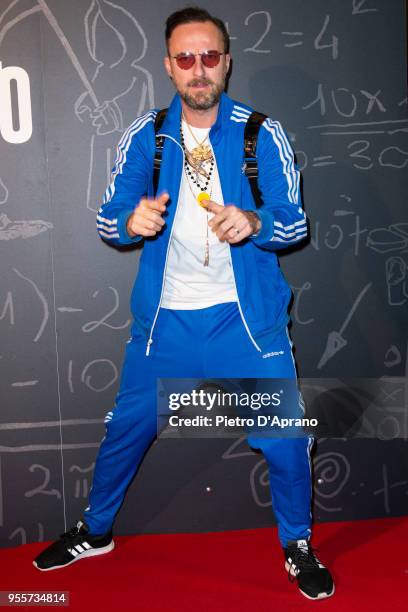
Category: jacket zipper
<point>150,341</point>
<point>239,304</point>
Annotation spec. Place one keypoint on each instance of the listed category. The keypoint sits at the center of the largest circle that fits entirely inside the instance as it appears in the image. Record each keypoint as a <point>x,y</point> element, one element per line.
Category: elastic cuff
<point>267,227</point>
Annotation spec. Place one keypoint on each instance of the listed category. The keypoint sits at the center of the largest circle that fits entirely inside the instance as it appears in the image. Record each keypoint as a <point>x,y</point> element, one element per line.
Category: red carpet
<point>228,571</point>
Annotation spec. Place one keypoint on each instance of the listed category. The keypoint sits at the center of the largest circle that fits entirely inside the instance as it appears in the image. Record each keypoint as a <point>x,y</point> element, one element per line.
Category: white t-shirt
<point>189,284</point>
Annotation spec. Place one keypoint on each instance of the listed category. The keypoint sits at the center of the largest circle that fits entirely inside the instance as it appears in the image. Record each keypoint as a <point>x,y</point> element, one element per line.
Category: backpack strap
<point>160,117</point>
<point>252,127</point>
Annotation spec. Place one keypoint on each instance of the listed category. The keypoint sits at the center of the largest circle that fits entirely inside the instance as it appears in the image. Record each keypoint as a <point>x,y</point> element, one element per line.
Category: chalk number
<point>15,96</point>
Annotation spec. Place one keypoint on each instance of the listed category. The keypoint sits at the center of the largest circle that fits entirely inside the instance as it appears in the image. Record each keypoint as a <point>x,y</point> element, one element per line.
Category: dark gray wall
<point>334,74</point>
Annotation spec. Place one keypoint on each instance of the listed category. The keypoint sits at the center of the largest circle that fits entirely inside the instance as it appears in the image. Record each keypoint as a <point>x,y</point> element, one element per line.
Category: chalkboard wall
<point>73,76</point>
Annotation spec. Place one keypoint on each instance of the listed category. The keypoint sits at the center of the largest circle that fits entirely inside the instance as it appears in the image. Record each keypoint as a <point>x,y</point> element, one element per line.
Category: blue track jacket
<point>263,293</point>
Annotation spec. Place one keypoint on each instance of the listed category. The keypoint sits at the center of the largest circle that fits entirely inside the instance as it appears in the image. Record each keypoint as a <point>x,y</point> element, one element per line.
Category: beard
<point>203,100</point>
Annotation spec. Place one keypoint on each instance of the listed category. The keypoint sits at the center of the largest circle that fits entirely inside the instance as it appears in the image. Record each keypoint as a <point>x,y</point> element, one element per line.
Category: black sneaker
<point>314,579</point>
<point>73,545</point>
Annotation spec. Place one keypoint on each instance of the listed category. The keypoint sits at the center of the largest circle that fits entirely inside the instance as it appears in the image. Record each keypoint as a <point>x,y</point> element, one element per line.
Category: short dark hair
<point>192,14</point>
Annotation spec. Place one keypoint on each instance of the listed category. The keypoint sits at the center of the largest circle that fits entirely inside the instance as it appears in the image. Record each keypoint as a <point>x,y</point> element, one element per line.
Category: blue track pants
<point>205,343</point>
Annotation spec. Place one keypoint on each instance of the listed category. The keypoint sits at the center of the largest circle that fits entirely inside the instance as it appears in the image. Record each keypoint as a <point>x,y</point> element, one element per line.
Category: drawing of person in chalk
<point>119,88</point>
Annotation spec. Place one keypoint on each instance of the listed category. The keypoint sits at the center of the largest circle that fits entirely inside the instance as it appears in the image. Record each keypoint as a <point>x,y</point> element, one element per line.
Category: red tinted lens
<point>185,60</point>
<point>210,58</point>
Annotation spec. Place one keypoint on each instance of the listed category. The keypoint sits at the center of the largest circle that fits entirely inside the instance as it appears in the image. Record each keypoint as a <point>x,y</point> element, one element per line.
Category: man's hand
<point>230,223</point>
<point>146,219</point>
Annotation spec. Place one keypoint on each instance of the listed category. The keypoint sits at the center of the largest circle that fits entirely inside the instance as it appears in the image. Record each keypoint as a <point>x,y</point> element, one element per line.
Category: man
<point>209,299</point>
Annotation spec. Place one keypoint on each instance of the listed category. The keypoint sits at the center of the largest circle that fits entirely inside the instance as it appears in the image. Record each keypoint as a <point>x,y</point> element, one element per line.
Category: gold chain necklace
<point>199,154</point>
<point>207,196</point>
<point>192,133</point>
<point>196,160</point>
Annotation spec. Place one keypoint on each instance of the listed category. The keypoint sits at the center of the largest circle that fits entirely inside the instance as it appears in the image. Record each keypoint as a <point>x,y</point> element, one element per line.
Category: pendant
<point>201,153</point>
<point>202,196</point>
<point>207,253</point>
<point>197,165</point>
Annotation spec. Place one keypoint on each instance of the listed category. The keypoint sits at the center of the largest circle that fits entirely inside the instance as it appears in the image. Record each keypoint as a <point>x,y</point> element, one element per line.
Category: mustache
<point>202,81</point>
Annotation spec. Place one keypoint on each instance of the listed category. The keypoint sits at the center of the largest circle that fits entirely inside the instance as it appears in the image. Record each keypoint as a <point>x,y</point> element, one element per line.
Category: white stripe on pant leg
<point>310,442</point>
<point>291,352</point>
<point>309,447</point>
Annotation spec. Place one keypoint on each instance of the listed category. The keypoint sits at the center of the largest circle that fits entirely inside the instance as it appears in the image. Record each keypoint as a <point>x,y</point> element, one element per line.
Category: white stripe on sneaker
<point>79,548</point>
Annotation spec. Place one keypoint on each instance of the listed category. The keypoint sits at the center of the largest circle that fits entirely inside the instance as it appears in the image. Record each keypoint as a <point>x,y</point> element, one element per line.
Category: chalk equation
<point>334,484</point>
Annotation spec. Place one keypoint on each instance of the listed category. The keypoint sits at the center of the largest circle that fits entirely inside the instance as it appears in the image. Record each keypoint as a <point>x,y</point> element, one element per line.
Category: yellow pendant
<point>202,196</point>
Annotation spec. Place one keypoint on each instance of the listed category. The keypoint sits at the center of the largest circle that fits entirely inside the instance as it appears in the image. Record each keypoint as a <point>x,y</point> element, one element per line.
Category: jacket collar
<point>171,125</point>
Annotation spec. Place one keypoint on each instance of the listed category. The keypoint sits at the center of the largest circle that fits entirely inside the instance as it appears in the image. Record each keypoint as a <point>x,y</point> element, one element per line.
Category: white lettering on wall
<point>25,124</point>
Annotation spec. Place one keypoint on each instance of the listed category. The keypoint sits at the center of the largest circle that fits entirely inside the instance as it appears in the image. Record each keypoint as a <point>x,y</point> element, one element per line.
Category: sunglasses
<point>187,60</point>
